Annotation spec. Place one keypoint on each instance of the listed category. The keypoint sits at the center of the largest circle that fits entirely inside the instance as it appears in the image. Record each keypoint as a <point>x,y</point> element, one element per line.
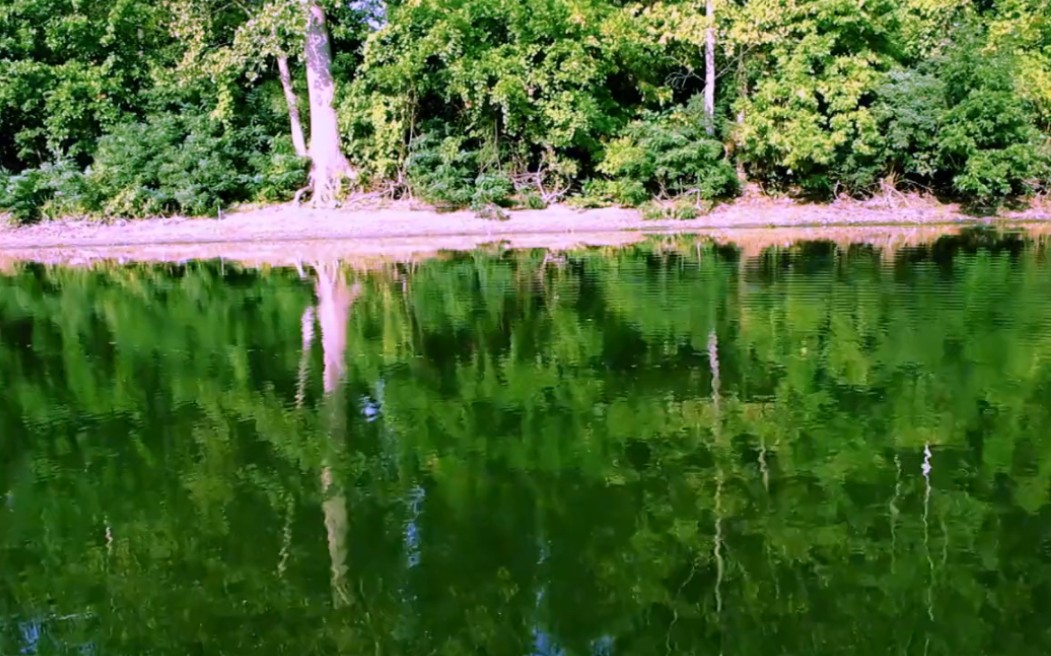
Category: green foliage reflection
<point>665,449</point>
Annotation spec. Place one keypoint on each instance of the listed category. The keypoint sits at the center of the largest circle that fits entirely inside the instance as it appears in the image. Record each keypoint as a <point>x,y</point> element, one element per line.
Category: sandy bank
<point>285,234</point>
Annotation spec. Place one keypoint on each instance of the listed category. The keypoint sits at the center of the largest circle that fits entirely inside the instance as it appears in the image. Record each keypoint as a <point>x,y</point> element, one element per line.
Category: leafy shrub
<point>440,171</point>
<point>684,211</point>
<point>445,172</point>
<point>623,191</point>
<point>990,144</point>
<point>680,210</point>
<point>667,155</point>
<point>807,121</point>
<point>279,172</point>
<point>1042,174</point>
<point>910,109</point>
<point>491,188</point>
<point>652,211</point>
<point>958,124</point>
<point>24,194</point>
<point>993,175</point>
<point>171,163</point>
<point>533,201</point>
<point>50,191</point>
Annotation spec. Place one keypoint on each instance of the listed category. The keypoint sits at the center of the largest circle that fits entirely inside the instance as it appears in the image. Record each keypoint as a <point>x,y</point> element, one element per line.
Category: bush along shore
<point>187,107</point>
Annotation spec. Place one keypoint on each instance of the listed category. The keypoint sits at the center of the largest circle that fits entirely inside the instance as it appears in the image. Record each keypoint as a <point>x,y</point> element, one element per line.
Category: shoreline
<point>286,234</point>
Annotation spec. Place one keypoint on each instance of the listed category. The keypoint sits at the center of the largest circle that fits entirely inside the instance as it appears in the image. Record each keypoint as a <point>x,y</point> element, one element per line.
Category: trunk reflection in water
<point>334,300</point>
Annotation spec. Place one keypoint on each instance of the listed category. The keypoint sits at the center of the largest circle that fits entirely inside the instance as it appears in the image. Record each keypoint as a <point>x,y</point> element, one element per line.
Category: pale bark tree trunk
<point>334,301</point>
<point>295,124</point>
<point>709,67</point>
<point>742,92</point>
<point>328,165</point>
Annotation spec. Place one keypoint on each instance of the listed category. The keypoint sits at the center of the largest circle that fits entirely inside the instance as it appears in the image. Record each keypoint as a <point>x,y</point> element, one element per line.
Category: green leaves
<point>51,191</point>
<point>171,163</point>
<point>449,175</point>
<point>68,71</point>
<point>839,103</point>
<point>910,111</point>
<point>814,97</point>
<point>668,155</point>
<point>965,123</point>
<point>807,121</point>
<point>525,79</point>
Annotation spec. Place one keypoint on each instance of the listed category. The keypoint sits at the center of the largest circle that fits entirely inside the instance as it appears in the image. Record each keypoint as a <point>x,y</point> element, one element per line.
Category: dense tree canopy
<point>481,102</point>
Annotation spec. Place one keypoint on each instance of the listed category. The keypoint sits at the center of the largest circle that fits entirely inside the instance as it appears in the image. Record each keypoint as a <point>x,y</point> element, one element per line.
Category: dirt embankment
<point>286,234</point>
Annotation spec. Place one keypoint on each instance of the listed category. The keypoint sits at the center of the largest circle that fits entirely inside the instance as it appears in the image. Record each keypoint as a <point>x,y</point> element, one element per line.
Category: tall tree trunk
<point>709,67</point>
<point>328,165</point>
<point>742,94</point>
<point>298,141</point>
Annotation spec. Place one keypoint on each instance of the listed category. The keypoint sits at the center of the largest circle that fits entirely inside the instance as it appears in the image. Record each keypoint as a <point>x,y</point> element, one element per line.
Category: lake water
<point>665,449</point>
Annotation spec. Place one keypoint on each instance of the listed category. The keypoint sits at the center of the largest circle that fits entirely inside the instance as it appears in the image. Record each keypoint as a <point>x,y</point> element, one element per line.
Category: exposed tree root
<point>298,197</point>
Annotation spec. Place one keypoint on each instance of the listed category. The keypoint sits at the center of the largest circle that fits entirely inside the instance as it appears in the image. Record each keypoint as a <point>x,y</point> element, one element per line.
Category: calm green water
<point>648,451</point>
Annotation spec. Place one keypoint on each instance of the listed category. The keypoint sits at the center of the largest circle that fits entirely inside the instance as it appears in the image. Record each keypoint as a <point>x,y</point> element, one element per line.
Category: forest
<point>137,108</point>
